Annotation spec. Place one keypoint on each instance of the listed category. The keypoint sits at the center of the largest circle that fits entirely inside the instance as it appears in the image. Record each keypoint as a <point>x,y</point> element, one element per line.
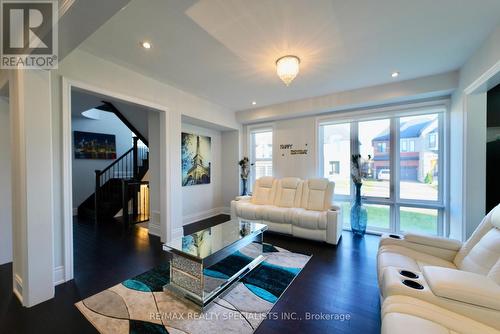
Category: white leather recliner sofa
<point>460,278</point>
<point>301,208</point>
<point>402,314</point>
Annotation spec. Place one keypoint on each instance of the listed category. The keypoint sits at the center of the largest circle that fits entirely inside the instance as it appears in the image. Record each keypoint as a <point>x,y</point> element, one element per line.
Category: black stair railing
<point>132,165</point>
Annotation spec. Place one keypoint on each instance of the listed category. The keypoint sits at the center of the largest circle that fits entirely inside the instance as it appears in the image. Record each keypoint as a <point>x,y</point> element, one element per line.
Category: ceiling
<point>225,50</point>
<point>82,100</point>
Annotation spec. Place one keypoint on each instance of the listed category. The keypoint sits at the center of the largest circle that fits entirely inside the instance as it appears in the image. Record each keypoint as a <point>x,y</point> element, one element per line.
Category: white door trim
<point>489,79</point>
<point>67,184</point>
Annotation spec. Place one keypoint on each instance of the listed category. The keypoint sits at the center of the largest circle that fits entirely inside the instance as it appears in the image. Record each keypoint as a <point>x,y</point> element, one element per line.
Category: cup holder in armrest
<point>413,284</point>
<point>395,236</point>
<point>408,274</point>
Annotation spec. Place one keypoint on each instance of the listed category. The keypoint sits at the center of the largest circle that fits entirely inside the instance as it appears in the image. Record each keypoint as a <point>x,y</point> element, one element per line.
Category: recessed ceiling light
<point>146,45</point>
<point>395,74</point>
<point>254,103</point>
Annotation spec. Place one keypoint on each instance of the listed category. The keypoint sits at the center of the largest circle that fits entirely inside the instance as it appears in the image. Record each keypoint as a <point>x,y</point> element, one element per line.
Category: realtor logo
<point>29,34</point>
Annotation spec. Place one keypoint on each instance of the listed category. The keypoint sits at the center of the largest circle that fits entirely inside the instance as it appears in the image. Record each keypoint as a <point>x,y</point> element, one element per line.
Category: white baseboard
<point>192,218</point>
<point>59,275</point>
<point>154,229</point>
<point>154,224</point>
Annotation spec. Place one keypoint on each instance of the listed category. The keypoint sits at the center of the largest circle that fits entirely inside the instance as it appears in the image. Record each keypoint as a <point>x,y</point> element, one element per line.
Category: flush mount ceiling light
<point>146,45</point>
<point>287,68</point>
<point>254,103</point>
<point>395,74</point>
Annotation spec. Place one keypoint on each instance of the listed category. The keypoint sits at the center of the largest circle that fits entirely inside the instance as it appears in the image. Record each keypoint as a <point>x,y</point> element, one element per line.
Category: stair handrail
<point>110,107</point>
<point>101,172</point>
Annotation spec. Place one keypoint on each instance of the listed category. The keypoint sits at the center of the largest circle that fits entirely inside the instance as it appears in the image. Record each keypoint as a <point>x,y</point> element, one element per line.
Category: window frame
<point>251,130</point>
<point>439,107</point>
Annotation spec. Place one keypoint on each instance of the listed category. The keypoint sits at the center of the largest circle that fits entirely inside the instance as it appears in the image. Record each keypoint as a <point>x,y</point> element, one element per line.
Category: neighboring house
<point>418,150</point>
<point>337,156</point>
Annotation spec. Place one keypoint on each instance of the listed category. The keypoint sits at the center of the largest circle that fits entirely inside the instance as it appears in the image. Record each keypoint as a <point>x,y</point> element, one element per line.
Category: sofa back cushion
<point>264,190</point>
<point>288,192</point>
<point>494,273</point>
<point>317,194</point>
<point>481,252</point>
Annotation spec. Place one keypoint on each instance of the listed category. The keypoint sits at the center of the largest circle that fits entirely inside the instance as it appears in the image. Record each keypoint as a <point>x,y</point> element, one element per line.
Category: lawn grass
<point>379,217</point>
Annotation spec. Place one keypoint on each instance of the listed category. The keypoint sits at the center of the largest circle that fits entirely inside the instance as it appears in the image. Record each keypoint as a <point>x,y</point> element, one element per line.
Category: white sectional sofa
<point>463,279</point>
<point>301,208</point>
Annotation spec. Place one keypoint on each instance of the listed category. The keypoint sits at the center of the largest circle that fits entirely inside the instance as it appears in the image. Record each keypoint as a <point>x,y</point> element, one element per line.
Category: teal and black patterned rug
<point>139,305</point>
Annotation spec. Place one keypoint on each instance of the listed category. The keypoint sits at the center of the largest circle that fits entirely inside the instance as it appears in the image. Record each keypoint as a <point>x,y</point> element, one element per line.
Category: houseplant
<point>359,216</point>
<point>245,171</point>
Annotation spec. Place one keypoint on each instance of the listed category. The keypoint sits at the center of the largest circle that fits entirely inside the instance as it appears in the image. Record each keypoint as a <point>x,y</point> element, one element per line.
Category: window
<point>382,147</point>
<point>403,184</point>
<point>261,153</point>
<point>411,146</point>
<point>418,176</point>
<point>334,167</point>
<point>336,154</point>
<point>407,145</point>
<point>432,138</point>
<point>404,146</point>
<point>377,183</point>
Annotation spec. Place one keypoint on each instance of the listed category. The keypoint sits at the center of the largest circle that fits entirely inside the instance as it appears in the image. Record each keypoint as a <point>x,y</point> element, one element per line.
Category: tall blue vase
<point>359,216</point>
<point>244,190</point>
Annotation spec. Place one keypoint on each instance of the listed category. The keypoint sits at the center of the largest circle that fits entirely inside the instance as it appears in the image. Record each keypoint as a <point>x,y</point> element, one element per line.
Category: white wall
<point>85,68</point>
<point>32,176</point>
<point>5,191</point>
<point>398,92</point>
<point>154,171</point>
<point>468,142</point>
<point>230,169</point>
<point>84,169</point>
<point>204,200</point>
<point>301,133</point>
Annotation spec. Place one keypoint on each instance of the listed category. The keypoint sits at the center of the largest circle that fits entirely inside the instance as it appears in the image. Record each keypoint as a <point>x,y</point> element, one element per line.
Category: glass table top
<point>205,243</point>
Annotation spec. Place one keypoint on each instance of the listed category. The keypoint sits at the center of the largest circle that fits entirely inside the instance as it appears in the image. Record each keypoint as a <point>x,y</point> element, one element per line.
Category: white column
<point>32,198</point>
<point>171,223</point>
<point>475,160</point>
<point>5,193</point>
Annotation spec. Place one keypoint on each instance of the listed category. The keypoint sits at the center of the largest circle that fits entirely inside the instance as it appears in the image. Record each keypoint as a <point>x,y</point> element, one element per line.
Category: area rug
<point>139,305</point>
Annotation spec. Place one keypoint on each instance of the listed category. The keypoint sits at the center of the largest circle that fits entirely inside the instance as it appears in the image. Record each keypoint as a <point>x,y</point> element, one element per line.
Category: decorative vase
<point>244,190</point>
<point>359,217</point>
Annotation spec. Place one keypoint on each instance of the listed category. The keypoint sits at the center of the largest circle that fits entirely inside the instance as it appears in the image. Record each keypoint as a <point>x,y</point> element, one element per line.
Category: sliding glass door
<point>403,175</point>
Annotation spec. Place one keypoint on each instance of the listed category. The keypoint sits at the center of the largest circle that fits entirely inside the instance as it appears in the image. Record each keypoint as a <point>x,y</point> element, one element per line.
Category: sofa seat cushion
<point>406,258</point>
<point>277,214</point>
<point>314,220</point>
<point>248,210</point>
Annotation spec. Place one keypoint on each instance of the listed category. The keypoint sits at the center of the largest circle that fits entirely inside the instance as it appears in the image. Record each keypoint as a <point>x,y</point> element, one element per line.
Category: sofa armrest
<point>243,198</point>
<point>443,248</point>
<point>335,207</point>
<point>432,241</point>
<point>334,225</point>
<point>463,286</point>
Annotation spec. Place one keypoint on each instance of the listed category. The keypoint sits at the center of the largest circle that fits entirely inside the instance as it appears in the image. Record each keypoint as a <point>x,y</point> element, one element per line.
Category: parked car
<point>384,174</point>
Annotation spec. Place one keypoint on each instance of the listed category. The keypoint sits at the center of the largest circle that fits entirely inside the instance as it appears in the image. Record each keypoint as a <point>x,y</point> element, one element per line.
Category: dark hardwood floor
<point>338,280</point>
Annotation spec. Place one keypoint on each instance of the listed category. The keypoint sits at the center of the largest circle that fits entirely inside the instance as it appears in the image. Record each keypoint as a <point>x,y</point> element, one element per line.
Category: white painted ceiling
<point>225,50</point>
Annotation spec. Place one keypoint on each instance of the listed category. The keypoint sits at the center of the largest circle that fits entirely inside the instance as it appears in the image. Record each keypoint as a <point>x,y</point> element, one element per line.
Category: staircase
<point>114,185</point>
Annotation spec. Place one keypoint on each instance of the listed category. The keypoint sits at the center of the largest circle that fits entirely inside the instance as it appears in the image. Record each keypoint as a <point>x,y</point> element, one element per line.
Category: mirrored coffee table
<point>194,254</point>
